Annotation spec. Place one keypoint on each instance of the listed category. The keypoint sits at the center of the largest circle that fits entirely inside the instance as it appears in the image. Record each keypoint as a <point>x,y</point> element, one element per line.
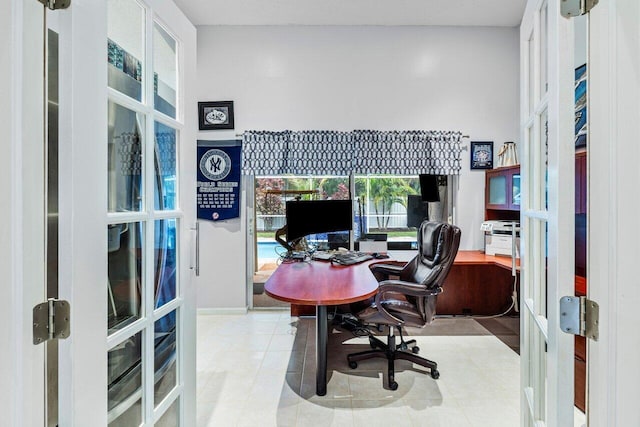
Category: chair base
<point>391,352</point>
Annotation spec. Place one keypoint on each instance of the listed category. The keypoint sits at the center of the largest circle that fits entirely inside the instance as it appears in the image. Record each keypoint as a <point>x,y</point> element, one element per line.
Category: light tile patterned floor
<point>259,370</point>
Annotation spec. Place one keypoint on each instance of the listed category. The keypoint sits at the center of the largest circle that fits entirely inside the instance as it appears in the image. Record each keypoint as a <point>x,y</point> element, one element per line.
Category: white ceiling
<point>501,13</point>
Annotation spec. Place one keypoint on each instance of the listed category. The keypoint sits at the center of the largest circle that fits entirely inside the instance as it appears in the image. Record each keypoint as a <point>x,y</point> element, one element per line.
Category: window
<point>383,205</point>
<point>272,194</point>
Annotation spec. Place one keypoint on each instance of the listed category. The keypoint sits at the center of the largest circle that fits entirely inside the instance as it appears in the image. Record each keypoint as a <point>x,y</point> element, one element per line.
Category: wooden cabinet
<point>502,193</point>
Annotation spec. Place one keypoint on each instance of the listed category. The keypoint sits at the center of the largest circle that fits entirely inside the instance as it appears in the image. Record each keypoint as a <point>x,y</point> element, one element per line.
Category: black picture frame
<point>215,115</point>
<point>481,155</point>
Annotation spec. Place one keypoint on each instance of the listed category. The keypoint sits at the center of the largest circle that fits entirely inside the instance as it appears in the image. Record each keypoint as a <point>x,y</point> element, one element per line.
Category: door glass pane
<point>534,176</point>
<point>171,417</point>
<point>498,190</point>
<point>165,167</point>
<point>164,71</point>
<point>124,364</point>
<point>537,262</point>
<point>531,86</point>
<point>165,378</point>
<point>165,261</point>
<point>125,142</point>
<point>515,190</point>
<point>125,47</point>
<point>125,274</point>
<point>544,52</point>
<point>541,267</point>
<point>544,162</point>
<point>541,376</point>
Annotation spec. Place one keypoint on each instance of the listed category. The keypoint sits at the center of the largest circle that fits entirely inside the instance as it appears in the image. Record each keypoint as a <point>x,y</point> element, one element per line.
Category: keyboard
<point>323,255</point>
<point>350,258</point>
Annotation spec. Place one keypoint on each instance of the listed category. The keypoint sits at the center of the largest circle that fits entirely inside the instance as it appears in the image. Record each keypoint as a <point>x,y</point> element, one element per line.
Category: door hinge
<point>573,8</point>
<point>579,316</point>
<point>51,321</point>
<point>56,4</point>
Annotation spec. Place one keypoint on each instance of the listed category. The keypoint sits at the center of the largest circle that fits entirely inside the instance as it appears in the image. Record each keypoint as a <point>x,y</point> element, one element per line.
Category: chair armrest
<point>406,288</point>
<point>387,269</point>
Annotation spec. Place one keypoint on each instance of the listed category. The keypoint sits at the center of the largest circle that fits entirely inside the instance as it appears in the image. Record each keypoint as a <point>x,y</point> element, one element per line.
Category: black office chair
<point>411,299</point>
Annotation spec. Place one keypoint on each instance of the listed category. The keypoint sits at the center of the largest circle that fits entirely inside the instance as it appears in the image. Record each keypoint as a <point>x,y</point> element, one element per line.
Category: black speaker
<point>417,211</point>
<point>429,188</point>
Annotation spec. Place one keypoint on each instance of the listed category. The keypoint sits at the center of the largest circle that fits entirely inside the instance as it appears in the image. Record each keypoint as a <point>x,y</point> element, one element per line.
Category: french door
<point>547,232</point>
<point>614,176</point>
<point>145,219</point>
<point>126,156</point>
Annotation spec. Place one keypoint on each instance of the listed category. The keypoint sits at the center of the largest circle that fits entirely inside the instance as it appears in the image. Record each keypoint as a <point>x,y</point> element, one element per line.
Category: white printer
<point>498,238</point>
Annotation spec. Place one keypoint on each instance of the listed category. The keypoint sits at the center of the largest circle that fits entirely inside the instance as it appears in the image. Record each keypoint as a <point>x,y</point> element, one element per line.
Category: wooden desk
<point>321,284</point>
<point>477,284</point>
<point>480,258</point>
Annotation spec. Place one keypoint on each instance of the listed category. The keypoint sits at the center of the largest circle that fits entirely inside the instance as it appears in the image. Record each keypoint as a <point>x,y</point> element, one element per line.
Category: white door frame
<point>22,218</point>
<point>546,352</point>
<point>614,235</point>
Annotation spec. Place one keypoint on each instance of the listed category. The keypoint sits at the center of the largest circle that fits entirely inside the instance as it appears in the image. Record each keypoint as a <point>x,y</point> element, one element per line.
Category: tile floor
<point>259,370</point>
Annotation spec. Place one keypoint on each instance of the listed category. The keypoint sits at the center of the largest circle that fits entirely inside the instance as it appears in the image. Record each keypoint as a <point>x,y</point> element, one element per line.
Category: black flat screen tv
<point>317,216</point>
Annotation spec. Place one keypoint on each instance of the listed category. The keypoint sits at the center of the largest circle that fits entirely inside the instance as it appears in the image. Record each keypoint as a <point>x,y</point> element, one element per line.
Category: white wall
<point>345,78</point>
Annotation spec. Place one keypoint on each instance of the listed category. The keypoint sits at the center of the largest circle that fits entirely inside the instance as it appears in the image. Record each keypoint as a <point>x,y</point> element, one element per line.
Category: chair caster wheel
<point>393,385</point>
<point>415,349</point>
<point>435,374</point>
<point>353,365</point>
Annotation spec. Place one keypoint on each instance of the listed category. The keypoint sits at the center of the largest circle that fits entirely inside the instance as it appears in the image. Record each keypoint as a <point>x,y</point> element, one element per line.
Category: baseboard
<point>222,310</point>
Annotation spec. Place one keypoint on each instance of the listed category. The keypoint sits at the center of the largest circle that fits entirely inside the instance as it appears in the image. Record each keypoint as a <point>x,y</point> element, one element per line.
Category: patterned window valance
<point>360,151</point>
<point>265,153</point>
<point>407,152</point>
<point>320,153</point>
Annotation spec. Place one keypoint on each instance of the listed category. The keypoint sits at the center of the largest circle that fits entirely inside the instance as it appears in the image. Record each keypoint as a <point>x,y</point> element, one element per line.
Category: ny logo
<point>214,164</point>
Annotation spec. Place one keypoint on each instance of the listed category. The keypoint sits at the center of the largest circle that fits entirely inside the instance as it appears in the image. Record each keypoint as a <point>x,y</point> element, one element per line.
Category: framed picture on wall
<point>215,115</point>
<point>481,154</point>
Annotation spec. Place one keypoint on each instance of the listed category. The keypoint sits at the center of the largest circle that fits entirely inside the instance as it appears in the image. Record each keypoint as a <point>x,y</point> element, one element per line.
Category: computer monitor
<point>417,210</point>
<point>317,216</point>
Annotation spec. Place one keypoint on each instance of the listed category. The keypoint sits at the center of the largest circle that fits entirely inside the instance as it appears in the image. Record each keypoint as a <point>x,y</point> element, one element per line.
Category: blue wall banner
<point>218,196</point>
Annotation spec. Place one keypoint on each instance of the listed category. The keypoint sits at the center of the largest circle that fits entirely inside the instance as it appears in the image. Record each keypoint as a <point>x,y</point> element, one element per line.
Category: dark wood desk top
<point>480,258</point>
<point>321,283</point>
